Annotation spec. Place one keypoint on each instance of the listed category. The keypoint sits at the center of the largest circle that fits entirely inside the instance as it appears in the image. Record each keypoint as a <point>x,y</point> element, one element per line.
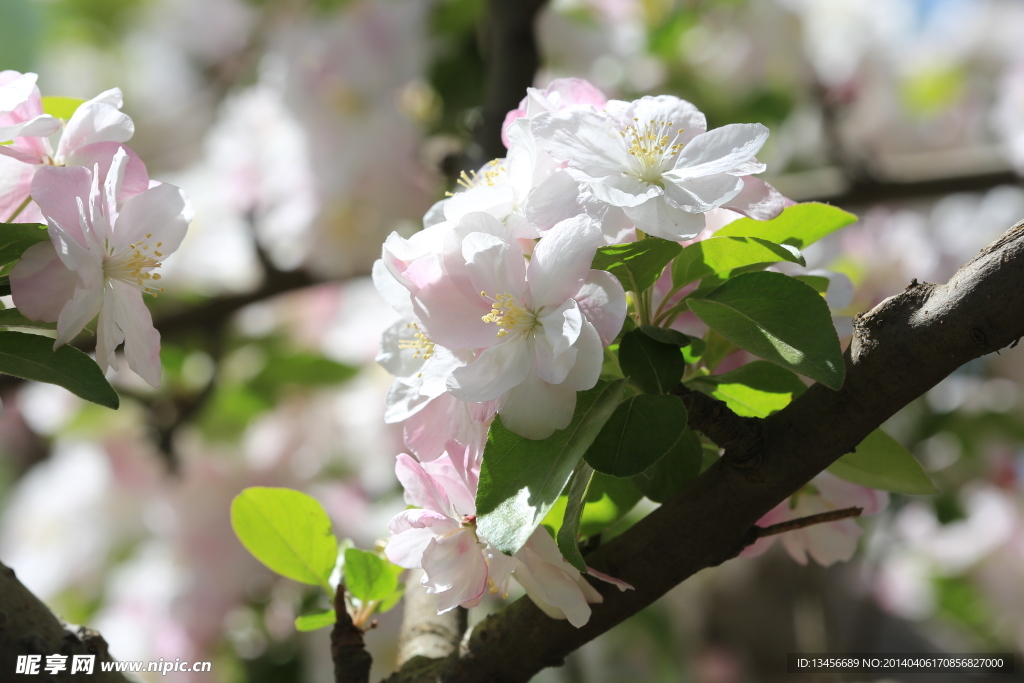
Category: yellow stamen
<point>424,348</point>
<point>508,315</point>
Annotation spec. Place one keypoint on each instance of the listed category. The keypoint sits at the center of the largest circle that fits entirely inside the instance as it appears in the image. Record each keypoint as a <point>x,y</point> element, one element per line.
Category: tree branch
<point>28,627</point>
<point>351,660</point>
<point>900,350</point>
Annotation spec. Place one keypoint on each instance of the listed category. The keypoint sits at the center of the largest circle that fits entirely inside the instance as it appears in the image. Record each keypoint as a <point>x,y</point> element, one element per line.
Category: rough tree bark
<point>900,349</point>
<point>28,627</point>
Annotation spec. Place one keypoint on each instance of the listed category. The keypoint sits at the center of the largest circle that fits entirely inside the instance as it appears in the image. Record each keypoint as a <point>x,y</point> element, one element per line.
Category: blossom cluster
<point>110,226</point>
<point>502,314</point>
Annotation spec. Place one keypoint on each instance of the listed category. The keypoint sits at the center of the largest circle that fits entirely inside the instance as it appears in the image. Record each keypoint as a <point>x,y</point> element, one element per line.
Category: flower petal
<point>493,373</point>
<point>661,218</point>
<point>98,120</point>
<point>41,284</point>
<point>720,150</point>
<point>57,191</point>
<point>561,261</point>
<point>420,489</point>
<point>535,409</point>
<point>455,569</point>
<point>163,211</point>
<point>76,313</point>
<point>588,140</point>
<point>603,301</point>
<point>589,359</point>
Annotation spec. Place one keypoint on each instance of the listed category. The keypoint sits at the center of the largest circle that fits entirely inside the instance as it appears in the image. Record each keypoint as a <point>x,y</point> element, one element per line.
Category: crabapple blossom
<point>101,258</point>
<point>826,543</point>
<point>21,107</point>
<point>90,138</point>
<point>538,328</point>
<point>655,159</point>
<point>560,94</point>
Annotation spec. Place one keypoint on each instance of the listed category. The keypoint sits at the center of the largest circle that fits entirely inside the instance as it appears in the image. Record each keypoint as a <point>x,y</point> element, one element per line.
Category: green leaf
<point>716,349</point>
<point>396,595</point>
<point>779,319</point>
<point>594,502</point>
<point>694,352</point>
<point>666,335</point>
<point>568,533</point>
<point>12,317</point>
<point>368,576</point>
<point>816,282</point>
<point>722,254</point>
<point>15,238</point>
<point>797,225</point>
<point>520,479</point>
<point>637,265</point>
<point>61,107</point>
<point>316,620</point>
<point>608,500</point>
<point>288,531</point>
<point>756,389</point>
<point>5,285</point>
<point>679,467</point>
<point>642,429</point>
<point>651,365</point>
<point>31,356</point>
<point>881,462</point>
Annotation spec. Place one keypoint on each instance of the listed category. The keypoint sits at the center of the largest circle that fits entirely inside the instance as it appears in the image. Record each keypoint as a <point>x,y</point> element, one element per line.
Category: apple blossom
<point>103,257</point>
<point>655,159</point>
<point>21,109</point>
<point>90,138</point>
<point>826,543</point>
<point>537,345</point>
<point>560,93</point>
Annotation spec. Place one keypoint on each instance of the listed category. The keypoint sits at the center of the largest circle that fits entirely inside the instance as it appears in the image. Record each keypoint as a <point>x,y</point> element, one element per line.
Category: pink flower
<point>539,329</point>
<point>439,536</point>
<point>826,543</point>
<point>100,260</point>
<point>90,138</point>
<point>561,93</point>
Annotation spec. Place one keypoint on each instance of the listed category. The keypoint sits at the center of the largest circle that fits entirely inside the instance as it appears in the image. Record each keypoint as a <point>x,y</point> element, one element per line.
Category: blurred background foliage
<point>306,131</point>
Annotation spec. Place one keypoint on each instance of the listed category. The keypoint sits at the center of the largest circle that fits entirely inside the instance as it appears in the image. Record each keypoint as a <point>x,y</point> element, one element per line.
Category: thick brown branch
<point>902,348</point>
<point>713,418</point>
<point>351,660</point>
<point>28,627</point>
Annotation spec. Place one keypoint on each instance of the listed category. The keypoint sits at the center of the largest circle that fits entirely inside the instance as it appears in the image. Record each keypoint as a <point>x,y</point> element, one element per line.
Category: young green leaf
<point>756,389</point>
<point>640,432</point>
<point>679,467</point>
<point>316,620</point>
<point>881,462</point>
<point>798,225</point>
<point>777,318</point>
<point>31,356</point>
<point>722,254</point>
<point>520,479</point>
<point>368,576</point>
<point>12,317</point>
<point>666,335</point>
<point>637,265</point>
<point>589,510</point>
<point>651,365</point>
<point>288,531</point>
<point>568,533</point>
<point>816,282</point>
<point>61,107</point>
<point>716,349</point>
<point>15,238</point>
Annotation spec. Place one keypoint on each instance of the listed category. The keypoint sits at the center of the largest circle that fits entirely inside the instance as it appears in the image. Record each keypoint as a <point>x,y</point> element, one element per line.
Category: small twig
<point>809,520</point>
<point>351,660</point>
<point>17,212</point>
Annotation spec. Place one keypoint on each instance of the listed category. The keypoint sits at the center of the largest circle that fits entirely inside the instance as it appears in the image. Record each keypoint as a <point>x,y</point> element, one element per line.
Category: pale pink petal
<point>420,489</point>
<point>41,284</point>
<point>588,140</point>
<point>98,120</point>
<point>455,569</point>
<point>76,313</point>
<point>720,150</point>
<point>660,218</point>
<point>561,261</point>
<point>535,409</point>
<point>758,200</point>
<point>603,301</point>
<point>589,359</point>
<point>412,531</point>
<point>136,177</point>
<point>704,193</point>
<point>57,191</point>
<point>493,373</point>
<point>141,339</point>
<point>162,211</point>
<point>618,583</point>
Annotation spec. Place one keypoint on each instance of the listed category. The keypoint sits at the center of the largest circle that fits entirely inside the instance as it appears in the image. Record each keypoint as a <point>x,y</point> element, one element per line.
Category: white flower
<point>654,158</point>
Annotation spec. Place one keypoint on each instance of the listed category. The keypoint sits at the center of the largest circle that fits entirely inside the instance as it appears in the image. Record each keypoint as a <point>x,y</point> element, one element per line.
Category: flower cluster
<point>501,313</point>
<point>110,226</point>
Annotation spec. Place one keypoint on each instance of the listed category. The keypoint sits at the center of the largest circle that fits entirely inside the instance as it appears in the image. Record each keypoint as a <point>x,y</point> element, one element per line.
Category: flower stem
<point>17,212</point>
<point>810,520</point>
